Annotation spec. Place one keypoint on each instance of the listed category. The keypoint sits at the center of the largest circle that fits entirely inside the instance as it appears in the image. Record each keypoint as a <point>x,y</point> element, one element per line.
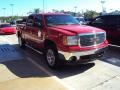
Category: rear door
<point>28,29</point>
<point>37,32</point>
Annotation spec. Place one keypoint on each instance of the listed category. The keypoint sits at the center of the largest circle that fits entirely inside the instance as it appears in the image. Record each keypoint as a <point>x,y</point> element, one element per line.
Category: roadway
<point>27,69</point>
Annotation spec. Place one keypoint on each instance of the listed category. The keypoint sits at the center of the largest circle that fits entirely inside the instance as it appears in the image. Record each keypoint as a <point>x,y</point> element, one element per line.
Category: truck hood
<point>76,29</point>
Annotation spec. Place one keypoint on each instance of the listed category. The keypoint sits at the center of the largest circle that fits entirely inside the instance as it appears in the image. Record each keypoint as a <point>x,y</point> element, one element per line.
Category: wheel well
<point>49,42</point>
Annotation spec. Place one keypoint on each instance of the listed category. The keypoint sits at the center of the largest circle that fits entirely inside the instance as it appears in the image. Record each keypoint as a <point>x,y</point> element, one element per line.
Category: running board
<point>34,49</point>
<point>114,45</point>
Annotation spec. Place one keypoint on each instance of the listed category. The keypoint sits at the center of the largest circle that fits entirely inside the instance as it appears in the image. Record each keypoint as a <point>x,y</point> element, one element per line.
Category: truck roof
<point>50,14</point>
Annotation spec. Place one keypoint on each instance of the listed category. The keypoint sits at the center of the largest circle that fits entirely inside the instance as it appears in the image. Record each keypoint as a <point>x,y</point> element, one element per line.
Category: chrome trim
<point>91,33</point>
<point>94,36</point>
<point>67,55</point>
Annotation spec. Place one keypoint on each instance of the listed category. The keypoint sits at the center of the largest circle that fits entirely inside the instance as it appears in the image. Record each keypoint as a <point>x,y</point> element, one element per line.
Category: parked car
<point>81,20</point>
<point>7,29</point>
<point>111,24</point>
<point>62,39</point>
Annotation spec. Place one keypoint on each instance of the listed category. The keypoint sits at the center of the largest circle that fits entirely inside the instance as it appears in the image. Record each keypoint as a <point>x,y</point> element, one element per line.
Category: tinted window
<point>98,20</point>
<point>112,20</point>
<point>60,20</point>
<point>21,21</point>
<point>38,18</point>
<point>37,21</point>
<point>5,25</point>
<point>30,20</point>
<point>31,17</point>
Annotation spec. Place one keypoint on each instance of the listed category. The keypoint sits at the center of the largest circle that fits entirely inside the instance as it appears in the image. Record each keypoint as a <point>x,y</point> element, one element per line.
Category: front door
<point>113,29</point>
<point>99,22</point>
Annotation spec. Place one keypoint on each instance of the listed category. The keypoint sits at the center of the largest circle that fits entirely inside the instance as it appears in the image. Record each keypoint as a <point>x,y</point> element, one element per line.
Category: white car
<point>81,20</point>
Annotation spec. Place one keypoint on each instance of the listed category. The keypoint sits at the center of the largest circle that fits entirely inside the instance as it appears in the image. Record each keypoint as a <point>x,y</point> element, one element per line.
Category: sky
<point>22,7</point>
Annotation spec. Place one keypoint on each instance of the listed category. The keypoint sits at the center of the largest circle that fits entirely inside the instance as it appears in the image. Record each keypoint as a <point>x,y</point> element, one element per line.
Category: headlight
<point>70,40</point>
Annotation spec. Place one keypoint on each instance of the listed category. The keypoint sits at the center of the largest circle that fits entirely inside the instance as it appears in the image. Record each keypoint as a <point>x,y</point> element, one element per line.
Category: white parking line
<point>43,69</point>
<point>50,74</point>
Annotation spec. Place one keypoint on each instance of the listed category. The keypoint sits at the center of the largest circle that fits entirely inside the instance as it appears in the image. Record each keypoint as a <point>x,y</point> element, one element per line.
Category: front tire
<point>52,57</point>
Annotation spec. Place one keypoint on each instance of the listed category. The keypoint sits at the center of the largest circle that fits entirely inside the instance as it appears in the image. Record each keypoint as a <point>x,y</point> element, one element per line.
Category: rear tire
<point>52,57</point>
<point>21,42</point>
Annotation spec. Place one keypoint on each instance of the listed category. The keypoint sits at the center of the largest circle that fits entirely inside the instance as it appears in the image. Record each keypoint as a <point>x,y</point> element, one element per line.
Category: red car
<point>7,29</point>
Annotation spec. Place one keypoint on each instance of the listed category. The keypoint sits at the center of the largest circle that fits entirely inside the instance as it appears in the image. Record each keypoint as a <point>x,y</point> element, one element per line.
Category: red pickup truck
<point>61,38</point>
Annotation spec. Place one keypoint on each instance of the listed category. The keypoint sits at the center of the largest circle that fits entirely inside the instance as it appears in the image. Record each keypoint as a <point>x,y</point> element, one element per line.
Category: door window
<point>98,21</point>
<point>112,20</point>
<point>30,21</point>
<point>37,21</point>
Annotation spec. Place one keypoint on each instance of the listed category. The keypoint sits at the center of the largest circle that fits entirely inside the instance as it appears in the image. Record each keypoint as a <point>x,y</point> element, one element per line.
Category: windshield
<point>60,20</point>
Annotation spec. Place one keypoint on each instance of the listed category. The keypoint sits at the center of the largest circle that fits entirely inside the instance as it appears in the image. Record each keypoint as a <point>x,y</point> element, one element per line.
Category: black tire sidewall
<point>57,62</point>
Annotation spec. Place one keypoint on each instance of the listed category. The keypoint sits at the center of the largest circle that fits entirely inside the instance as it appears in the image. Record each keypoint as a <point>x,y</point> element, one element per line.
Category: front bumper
<point>82,55</point>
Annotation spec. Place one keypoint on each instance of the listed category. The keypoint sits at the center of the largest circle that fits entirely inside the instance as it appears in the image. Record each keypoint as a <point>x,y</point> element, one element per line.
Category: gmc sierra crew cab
<point>61,38</point>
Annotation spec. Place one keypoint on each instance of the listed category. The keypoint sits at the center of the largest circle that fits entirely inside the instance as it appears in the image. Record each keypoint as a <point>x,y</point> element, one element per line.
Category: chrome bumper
<point>68,55</point>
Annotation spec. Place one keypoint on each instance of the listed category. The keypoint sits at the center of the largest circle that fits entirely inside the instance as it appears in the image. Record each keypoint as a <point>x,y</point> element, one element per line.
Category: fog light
<point>73,58</point>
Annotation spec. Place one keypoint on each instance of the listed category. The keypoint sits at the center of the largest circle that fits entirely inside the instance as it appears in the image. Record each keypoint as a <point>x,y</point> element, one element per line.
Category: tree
<point>62,11</point>
<point>115,12</point>
<point>90,14</point>
<point>55,11</point>
<point>37,10</point>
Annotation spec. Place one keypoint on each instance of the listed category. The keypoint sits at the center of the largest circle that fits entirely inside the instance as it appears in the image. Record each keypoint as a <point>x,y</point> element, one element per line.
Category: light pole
<point>103,8</point>
<point>12,8</point>
<point>43,6</point>
<point>75,9</point>
<point>4,11</point>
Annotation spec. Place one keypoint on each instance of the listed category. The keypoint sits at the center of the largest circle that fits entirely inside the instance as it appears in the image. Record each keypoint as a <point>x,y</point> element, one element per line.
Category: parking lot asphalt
<point>23,75</point>
<point>18,73</point>
<point>32,73</point>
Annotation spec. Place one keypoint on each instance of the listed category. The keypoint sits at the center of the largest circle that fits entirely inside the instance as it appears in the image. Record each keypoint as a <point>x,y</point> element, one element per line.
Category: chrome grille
<point>91,39</point>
